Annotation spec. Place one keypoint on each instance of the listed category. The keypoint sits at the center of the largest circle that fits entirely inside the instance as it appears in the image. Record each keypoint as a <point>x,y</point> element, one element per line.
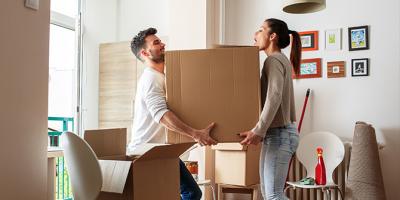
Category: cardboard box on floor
<point>220,85</point>
<point>236,164</point>
<point>151,176</point>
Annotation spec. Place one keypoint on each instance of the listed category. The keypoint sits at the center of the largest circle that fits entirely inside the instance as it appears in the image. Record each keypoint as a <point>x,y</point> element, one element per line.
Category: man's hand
<point>203,136</point>
<point>250,138</point>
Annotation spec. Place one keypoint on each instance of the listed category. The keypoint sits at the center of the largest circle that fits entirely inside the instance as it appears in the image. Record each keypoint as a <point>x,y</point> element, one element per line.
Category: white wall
<point>113,21</point>
<point>188,24</point>
<point>99,26</point>
<point>336,104</point>
<point>24,70</point>
<point>134,16</point>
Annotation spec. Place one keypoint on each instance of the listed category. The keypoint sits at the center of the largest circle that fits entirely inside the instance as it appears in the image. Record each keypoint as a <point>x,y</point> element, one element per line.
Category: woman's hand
<point>250,138</point>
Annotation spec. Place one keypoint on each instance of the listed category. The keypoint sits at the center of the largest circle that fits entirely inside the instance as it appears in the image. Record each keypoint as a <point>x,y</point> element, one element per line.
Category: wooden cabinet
<point>119,71</point>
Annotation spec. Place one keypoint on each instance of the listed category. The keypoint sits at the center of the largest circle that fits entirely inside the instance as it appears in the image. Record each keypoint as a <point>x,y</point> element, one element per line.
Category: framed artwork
<point>309,68</point>
<point>309,40</point>
<point>336,69</point>
<point>333,39</point>
<point>358,38</point>
<point>359,67</point>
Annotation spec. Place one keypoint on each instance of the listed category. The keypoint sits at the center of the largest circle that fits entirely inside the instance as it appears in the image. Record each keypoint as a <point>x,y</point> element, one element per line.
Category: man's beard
<point>157,59</point>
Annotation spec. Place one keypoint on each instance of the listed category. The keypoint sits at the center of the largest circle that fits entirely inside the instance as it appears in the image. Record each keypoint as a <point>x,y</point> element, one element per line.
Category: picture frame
<point>360,67</point>
<point>309,40</point>
<point>309,68</point>
<point>336,69</point>
<point>358,38</point>
<point>333,39</point>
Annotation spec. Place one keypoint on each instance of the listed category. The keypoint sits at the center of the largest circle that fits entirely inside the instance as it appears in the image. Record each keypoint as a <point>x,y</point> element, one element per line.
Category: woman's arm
<point>275,76</point>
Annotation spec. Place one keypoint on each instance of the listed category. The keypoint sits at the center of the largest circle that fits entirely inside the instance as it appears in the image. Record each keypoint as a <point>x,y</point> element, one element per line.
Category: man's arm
<point>154,98</point>
<point>172,122</point>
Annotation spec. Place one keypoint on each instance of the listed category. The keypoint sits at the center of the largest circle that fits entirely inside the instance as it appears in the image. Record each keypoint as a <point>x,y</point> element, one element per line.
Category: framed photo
<point>309,68</point>
<point>359,67</point>
<point>358,38</point>
<point>309,40</point>
<point>336,69</point>
<point>333,39</point>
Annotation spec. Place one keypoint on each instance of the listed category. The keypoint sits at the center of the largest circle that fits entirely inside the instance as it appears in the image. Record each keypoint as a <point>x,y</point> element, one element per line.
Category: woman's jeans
<point>278,147</point>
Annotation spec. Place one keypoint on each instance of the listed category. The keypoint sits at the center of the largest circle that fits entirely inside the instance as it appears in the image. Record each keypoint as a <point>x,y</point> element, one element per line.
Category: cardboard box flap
<point>114,175</point>
<point>142,149</point>
<point>230,146</point>
<point>107,142</point>
<point>165,151</point>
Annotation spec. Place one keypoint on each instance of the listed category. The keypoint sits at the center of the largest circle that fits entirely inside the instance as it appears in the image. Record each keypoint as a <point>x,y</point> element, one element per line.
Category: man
<point>151,114</point>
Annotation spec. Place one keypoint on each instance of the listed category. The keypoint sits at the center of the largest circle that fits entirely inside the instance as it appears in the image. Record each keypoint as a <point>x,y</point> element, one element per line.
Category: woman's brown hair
<point>281,29</point>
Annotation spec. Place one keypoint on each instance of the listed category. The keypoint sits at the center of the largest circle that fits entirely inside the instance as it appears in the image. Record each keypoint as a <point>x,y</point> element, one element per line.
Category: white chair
<point>83,167</point>
<point>333,154</point>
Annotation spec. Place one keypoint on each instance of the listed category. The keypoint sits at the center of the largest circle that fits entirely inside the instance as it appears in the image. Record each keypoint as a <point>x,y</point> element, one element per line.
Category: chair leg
<point>220,194</point>
<point>213,192</point>
<point>341,194</point>
<point>286,188</point>
<point>255,192</point>
<point>327,193</point>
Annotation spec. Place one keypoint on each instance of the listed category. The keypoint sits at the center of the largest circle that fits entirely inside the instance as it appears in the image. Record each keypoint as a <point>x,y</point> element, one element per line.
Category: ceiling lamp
<point>303,6</point>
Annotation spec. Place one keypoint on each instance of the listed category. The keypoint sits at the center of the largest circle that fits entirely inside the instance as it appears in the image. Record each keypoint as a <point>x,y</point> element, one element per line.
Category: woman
<point>276,128</point>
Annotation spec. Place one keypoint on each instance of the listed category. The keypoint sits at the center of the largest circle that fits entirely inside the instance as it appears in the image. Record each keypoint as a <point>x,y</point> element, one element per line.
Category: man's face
<point>155,49</point>
<point>262,37</point>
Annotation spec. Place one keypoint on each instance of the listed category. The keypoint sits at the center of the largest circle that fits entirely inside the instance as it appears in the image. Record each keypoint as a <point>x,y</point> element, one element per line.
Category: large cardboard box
<point>236,164</point>
<point>151,176</point>
<point>220,85</point>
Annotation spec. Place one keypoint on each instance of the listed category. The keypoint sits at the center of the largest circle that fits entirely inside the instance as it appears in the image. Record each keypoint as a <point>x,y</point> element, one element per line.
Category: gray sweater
<point>277,95</point>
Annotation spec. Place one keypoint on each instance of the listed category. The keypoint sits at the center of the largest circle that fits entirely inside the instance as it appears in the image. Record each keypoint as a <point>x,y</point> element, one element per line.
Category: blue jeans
<point>189,188</point>
<point>277,149</point>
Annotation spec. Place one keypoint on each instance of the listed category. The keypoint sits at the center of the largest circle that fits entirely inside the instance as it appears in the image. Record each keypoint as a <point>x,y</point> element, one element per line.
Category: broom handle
<point>304,109</point>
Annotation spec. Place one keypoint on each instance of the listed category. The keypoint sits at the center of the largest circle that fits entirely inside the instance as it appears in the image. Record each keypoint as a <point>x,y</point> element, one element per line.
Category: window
<point>63,62</point>
<point>62,74</point>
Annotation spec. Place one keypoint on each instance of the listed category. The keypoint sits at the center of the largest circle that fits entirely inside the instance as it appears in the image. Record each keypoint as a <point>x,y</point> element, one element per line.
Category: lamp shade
<point>303,6</point>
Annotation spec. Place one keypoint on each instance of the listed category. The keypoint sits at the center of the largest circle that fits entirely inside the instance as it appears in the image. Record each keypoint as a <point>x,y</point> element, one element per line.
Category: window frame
<point>74,24</point>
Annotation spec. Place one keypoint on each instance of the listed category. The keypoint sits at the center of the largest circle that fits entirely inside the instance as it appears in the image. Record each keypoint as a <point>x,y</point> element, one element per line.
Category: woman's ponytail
<point>295,53</point>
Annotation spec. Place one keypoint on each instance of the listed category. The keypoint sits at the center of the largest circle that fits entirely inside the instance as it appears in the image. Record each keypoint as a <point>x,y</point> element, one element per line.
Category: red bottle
<point>320,173</point>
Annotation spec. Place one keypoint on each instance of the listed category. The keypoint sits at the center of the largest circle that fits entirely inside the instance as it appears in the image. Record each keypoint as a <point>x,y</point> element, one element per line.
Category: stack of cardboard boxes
<point>218,85</point>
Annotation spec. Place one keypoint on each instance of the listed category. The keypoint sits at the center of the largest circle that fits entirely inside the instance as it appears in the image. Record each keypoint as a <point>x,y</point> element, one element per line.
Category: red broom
<point>304,109</point>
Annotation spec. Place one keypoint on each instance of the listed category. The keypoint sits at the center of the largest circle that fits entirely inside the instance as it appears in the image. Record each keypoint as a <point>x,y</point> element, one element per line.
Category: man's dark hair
<point>138,42</point>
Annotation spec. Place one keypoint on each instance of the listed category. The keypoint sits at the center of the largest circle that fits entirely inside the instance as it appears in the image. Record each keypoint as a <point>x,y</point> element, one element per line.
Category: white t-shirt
<point>150,106</point>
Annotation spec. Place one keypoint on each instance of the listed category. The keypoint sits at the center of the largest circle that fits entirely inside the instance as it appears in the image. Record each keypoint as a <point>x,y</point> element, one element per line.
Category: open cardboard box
<point>151,176</point>
<point>236,164</point>
<point>220,85</point>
